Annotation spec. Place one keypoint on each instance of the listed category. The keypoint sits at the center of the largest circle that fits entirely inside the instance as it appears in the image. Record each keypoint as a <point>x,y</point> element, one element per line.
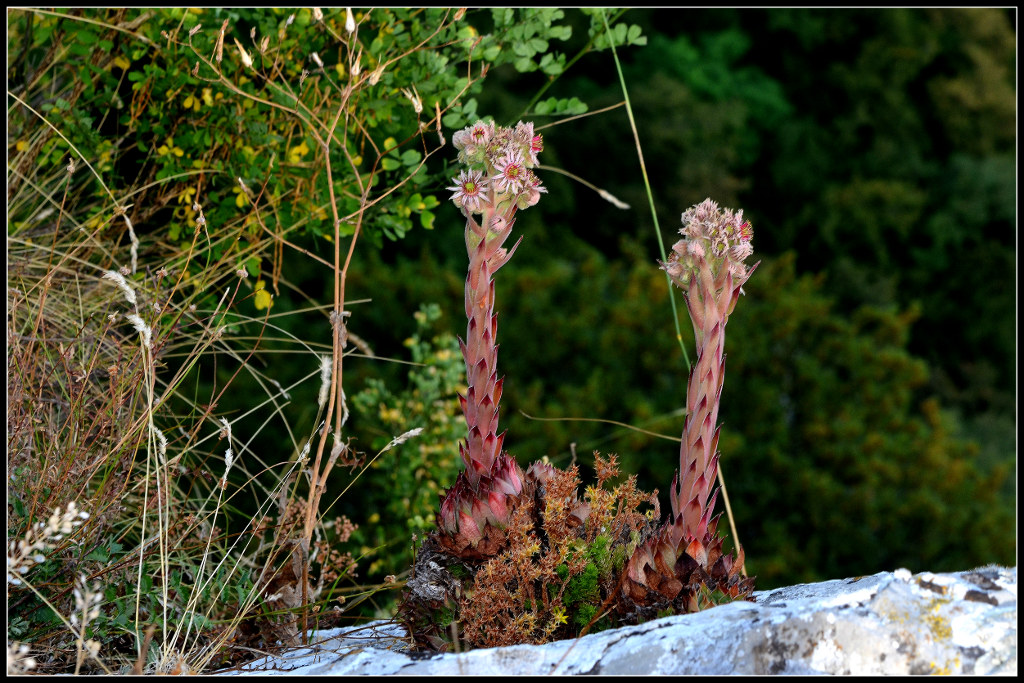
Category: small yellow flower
<point>21,146</point>
<point>241,198</point>
<point>208,96</point>
<point>186,196</point>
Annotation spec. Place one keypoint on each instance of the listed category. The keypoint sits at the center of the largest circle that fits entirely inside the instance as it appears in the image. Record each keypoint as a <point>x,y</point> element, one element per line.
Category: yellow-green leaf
<point>261,297</point>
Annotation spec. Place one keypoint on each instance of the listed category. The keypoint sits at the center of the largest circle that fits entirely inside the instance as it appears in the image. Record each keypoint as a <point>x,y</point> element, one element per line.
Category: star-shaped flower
<point>469,190</point>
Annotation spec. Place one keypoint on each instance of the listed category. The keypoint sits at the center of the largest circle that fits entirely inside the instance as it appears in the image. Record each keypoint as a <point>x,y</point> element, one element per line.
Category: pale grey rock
<point>888,623</point>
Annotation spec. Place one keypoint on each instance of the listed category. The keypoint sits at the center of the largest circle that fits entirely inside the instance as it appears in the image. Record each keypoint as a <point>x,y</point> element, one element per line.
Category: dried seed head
<point>142,328</point>
<point>615,201</point>
<point>194,30</point>
<point>325,379</point>
<point>118,279</point>
<point>402,438</point>
<point>218,49</point>
<point>356,64</point>
<point>246,59</point>
<point>162,444</point>
<point>414,97</point>
<point>318,16</point>
<point>316,60</point>
<point>377,73</point>
<point>350,21</point>
<point>225,431</point>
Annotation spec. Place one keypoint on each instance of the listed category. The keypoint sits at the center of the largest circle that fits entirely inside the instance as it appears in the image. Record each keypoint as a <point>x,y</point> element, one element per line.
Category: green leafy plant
<point>403,490</point>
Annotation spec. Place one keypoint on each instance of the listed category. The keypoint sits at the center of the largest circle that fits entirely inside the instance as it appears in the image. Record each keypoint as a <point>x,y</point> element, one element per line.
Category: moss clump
<point>458,571</point>
<point>444,617</point>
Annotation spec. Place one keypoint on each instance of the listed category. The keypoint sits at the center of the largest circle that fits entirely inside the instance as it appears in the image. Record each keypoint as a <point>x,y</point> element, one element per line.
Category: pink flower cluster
<point>498,161</point>
<point>717,237</point>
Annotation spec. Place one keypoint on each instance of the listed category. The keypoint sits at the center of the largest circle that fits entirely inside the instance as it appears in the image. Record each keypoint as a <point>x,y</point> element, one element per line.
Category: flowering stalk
<point>708,266</point>
<point>686,553</point>
<point>496,183</point>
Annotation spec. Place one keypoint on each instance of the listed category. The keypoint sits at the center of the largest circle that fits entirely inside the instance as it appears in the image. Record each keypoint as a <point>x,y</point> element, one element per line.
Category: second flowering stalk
<point>683,564</point>
<point>495,183</point>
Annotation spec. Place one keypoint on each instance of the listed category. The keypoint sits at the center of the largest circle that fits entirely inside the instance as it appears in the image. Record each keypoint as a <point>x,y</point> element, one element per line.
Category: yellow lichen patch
<point>948,668</point>
<point>937,622</point>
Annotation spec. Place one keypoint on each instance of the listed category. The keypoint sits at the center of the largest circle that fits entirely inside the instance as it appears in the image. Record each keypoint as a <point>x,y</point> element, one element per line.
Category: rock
<point>888,623</point>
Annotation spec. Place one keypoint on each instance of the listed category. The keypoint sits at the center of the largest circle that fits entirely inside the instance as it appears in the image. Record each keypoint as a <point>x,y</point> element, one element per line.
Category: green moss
<point>583,588</point>
<point>599,552</point>
<point>618,558</point>
<point>443,617</point>
<point>583,615</point>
